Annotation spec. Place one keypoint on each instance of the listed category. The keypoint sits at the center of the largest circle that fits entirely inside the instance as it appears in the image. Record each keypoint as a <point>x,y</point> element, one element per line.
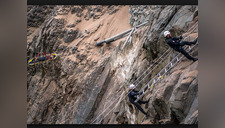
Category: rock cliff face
<point>89,84</point>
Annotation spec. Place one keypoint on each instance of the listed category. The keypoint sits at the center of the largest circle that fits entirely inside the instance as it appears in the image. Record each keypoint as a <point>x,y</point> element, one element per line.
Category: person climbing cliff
<point>132,97</point>
<point>174,42</point>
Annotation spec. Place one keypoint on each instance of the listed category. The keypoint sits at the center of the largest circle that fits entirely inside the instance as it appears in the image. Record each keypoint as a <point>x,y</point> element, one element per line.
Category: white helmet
<point>131,86</point>
<point>166,33</point>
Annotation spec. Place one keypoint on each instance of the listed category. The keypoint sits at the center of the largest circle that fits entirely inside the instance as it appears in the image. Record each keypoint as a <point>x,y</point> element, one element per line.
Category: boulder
<point>69,36</point>
<point>78,21</point>
<point>74,49</point>
<point>92,13</point>
<point>96,16</point>
<point>76,10</point>
<point>70,26</point>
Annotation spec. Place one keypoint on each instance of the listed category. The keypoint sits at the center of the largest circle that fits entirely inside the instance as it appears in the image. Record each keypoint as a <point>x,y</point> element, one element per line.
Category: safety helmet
<point>166,33</point>
<point>132,86</point>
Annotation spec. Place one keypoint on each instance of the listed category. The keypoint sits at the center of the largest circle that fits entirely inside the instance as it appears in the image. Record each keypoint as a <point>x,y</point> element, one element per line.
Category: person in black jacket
<point>132,97</point>
<point>174,42</point>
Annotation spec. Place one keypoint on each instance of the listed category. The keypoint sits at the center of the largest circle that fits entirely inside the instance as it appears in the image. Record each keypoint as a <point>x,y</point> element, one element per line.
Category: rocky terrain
<point>83,84</point>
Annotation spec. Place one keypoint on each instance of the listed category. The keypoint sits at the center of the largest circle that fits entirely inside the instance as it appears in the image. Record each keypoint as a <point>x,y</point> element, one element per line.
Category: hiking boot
<point>147,115</point>
<point>195,41</point>
<point>195,59</point>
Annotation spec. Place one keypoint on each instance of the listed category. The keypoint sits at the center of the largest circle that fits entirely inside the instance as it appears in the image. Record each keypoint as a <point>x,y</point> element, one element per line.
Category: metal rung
<point>164,69</point>
<point>153,81</point>
<point>171,64</point>
<point>177,58</point>
<point>152,86</point>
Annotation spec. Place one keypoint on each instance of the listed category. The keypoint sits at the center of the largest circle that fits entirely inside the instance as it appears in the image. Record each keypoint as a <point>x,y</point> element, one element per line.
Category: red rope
<point>45,55</point>
<point>36,58</point>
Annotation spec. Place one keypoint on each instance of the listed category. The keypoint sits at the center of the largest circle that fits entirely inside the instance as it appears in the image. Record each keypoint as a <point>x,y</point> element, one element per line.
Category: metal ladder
<point>161,74</point>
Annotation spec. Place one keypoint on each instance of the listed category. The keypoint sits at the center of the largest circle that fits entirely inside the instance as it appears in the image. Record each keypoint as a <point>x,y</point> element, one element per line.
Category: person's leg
<point>187,43</point>
<point>138,107</point>
<point>142,102</point>
<point>181,50</point>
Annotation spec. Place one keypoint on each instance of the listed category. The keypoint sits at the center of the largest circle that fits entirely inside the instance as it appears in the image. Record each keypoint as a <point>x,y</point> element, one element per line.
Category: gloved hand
<point>181,37</point>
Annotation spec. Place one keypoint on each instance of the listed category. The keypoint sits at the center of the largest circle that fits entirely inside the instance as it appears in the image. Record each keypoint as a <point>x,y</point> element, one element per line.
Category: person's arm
<point>176,38</point>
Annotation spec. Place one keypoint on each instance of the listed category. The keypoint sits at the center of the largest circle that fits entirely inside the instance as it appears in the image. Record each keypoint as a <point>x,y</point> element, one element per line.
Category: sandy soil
<point>111,25</point>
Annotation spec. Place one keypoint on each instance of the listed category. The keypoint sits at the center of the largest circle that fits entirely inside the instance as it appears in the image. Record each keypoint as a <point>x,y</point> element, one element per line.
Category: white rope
<point>154,63</point>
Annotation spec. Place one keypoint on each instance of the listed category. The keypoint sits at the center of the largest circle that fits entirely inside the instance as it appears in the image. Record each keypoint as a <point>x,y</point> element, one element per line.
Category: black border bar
<point>112,126</point>
<point>112,2</point>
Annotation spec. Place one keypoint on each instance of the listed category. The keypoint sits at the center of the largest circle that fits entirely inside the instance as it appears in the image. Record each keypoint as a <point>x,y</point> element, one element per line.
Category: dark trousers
<point>138,105</point>
<point>181,50</point>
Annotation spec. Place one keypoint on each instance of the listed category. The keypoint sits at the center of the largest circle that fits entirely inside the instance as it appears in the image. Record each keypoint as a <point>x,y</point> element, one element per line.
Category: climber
<point>174,42</point>
<point>132,97</point>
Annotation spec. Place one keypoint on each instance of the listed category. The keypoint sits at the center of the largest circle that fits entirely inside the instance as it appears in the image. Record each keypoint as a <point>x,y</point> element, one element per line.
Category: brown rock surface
<point>85,83</point>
